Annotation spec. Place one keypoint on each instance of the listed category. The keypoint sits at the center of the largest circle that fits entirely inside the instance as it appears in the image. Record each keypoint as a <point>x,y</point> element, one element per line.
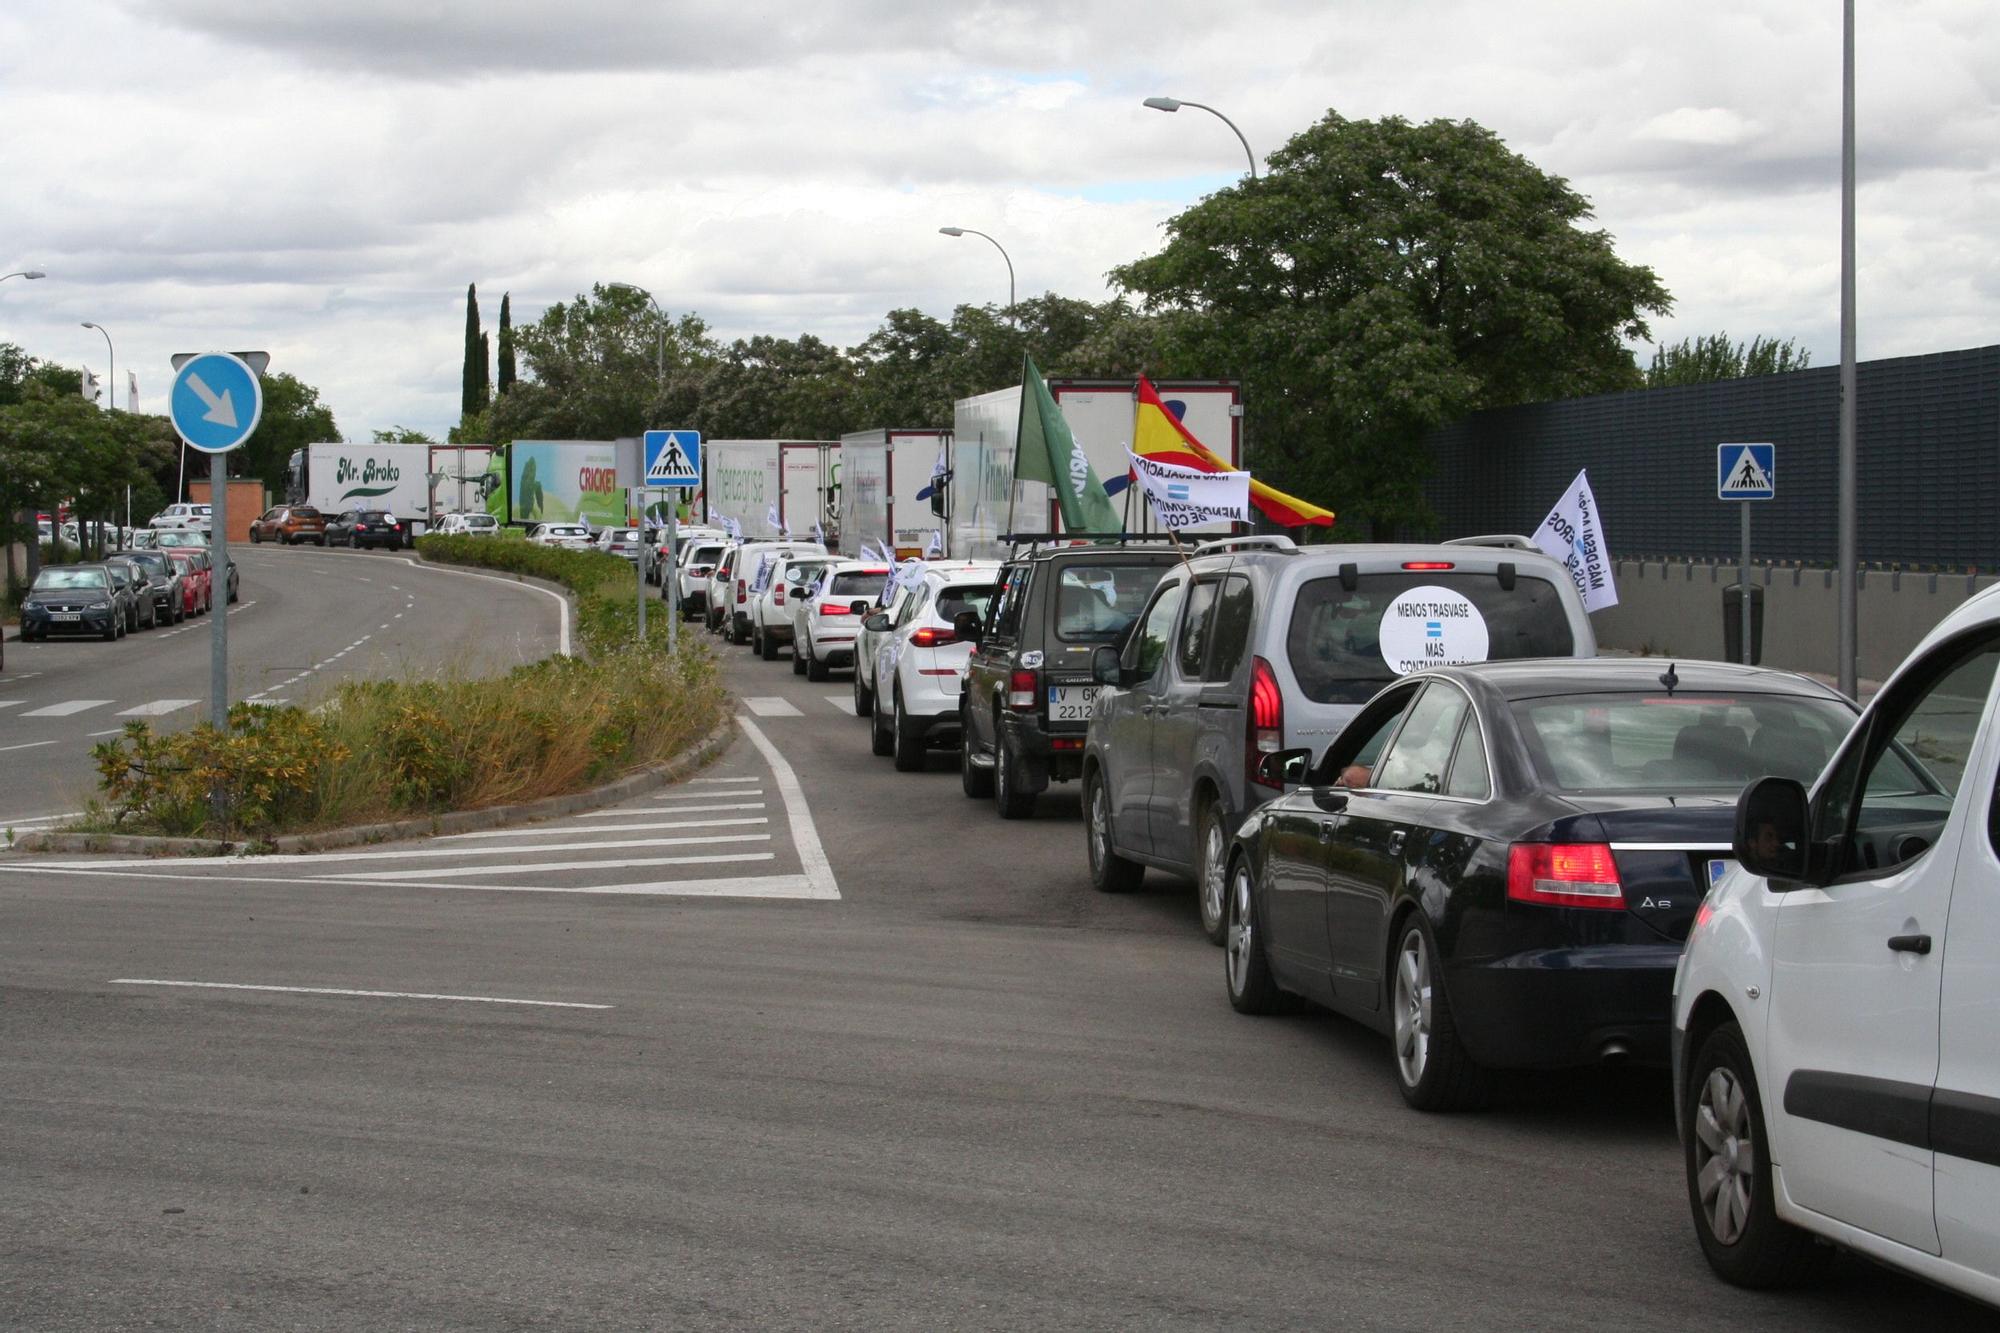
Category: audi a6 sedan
<point>1495,865</point>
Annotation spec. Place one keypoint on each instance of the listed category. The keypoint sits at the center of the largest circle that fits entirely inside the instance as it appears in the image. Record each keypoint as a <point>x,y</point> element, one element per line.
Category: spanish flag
<point>1159,434</point>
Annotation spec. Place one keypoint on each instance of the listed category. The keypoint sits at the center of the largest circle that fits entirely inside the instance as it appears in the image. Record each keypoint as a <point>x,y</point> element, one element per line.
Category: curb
<point>705,752</point>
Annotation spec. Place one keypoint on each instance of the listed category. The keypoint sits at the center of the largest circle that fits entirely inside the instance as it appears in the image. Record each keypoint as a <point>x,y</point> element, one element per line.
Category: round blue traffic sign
<point>215,402</point>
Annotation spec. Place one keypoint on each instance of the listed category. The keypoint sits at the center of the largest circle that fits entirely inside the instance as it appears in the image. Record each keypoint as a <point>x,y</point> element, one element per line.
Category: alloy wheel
<point>1412,1010</point>
<point>1100,826</point>
<point>1242,940</point>
<point>1213,872</point>
<point>1725,1154</point>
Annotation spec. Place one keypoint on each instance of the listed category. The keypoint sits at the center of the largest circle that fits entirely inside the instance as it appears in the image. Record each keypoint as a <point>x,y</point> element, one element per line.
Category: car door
<point>1369,854</point>
<point>1177,726</point>
<point>1129,724</point>
<point>1852,1043</point>
<point>992,659</point>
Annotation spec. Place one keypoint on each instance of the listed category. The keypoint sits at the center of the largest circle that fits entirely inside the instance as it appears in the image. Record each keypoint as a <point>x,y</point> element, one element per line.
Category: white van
<point>1836,1054</point>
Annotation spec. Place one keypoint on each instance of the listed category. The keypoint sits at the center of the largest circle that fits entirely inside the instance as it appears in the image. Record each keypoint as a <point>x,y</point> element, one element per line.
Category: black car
<point>140,612</point>
<point>163,584</point>
<point>367,527</point>
<point>1495,865</point>
<point>1028,686</point>
<point>73,599</point>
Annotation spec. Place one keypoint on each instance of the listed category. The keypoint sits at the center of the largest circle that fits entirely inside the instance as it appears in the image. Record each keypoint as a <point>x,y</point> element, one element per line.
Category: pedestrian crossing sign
<point>673,458</point>
<point>1746,471</point>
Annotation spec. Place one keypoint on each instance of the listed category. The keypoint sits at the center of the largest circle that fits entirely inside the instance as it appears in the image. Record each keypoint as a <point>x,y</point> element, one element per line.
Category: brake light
<point>1429,564</point>
<point>778,594</point>
<point>1267,719</point>
<point>835,609</point>
<point>927,637</point>
<point>1024,689</point>
<point>742,592</point>
<point>1556,874</point>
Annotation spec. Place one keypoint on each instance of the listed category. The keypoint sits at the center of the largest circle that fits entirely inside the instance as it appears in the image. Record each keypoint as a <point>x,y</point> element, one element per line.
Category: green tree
<point>293,418</point>
<point>595,374</point>
<point>506,380</point>
<point>472,377</point>
<point>1384,278</point>
<point>1713,357</point>
<point>777,388</point>
<point>402,435</point>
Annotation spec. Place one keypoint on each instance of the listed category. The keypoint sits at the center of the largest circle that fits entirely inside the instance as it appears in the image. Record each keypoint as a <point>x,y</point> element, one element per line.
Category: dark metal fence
<point>1928,464</point>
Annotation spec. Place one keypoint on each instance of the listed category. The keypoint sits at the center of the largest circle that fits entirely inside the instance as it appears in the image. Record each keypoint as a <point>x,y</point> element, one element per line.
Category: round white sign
<point>1432,627</point>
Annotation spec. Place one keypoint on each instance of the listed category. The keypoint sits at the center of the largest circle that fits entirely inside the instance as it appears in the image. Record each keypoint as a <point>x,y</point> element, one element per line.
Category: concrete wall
<point>1675,608</point>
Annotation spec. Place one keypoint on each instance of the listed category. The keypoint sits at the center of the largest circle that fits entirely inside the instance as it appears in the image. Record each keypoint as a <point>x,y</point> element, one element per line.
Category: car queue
<point>1405,787</point>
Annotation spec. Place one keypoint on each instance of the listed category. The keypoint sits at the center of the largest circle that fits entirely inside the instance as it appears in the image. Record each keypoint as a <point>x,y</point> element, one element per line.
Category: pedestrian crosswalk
<point>73,707</point>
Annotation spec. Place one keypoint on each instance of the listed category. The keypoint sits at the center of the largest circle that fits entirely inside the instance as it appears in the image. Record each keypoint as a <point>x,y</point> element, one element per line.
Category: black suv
<point>1028,688</point>
<point>366,527</point>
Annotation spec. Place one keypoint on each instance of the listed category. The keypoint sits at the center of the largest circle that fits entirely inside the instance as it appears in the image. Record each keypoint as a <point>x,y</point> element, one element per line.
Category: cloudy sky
<point>323,179</point>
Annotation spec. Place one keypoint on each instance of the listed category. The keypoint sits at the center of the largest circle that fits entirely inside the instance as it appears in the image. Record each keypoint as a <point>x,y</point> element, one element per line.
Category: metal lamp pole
<point>29,273</point>
<point>1849,608</point>
<point>967,231</point>
<point>1175,104</point>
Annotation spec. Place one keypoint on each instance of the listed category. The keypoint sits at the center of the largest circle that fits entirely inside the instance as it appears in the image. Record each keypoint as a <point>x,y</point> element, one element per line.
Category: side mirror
<point>1286,767</point>
<point>876,623</point>
<point>1773,822</point>
<point>937,498</point>
<point>858,607</point>
<point>1105,668</point>
<point>966,626</point>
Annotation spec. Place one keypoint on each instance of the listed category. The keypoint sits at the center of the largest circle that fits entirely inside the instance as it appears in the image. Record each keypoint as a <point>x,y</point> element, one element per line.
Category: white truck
<point>748,479</point>
<point>885,489</point>
<point>335,478</point>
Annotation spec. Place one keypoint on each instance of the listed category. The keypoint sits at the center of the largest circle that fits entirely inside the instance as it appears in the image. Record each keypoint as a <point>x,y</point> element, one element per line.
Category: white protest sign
<point>1429,627</point>
<point>1574,534</point>
<point>1184,497</point>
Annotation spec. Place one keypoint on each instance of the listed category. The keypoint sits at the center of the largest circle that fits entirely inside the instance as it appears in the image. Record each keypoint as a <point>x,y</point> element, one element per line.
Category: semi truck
<point>885,488</point>
<point>749,480</point>
<point>334,478</point>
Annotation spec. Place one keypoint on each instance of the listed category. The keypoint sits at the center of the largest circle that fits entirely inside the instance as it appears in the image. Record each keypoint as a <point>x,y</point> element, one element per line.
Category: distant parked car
<point>569,536</point>
<point>168,539</point>
<point>698,559</point>
<point>73,599</point>
<point>367,527</point>
<point>469,525</point>
<point>163,584</point>
<point>288,525</point>
<point>626,542</point>
<point>182,518</point>
<point>198,572</point>
<point>131,580</point>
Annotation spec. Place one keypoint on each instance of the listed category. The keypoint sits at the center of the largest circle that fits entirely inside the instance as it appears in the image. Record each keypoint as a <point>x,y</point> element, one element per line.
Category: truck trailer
<point>885,488</point>
<point>335,478</point>
<point>749,480</point>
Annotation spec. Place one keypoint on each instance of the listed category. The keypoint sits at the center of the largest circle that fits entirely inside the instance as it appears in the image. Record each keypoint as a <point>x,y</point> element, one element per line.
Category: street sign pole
<point>1743,579</point>
<point>671,460</point>
<point>669,578</point>
<point>1747,474</point>
<point>218,627</point>
<point>640,566</point>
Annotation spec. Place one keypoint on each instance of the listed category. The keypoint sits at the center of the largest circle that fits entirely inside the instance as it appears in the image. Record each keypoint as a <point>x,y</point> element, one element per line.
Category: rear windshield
<point>856,583</point>
<point>303,511</point>
<point>962,597</point>
<point>50,579</point>
<point>1094,603</point>
<point>704,555</point>
<point>1345,645</point>
<point>1652,742</point>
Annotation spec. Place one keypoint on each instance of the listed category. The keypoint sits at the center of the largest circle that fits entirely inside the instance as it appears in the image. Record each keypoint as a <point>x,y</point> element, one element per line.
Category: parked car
<point>163,584</point>
<point>368,527</point>
<point>788,579</point>
<point>747,563</point>
<point>289,525</point>
<point>73,599</point>
<point>919,667</point>
<point>138,597</point>
<point>169,538</point>
<point>1274,646</point>
<point>197,570</point>
<point>1837,1067</point>
<point>868,642</point>
<point>470,525</point>
<point>698,560</point>
<point>825,622</point>
<point>656,540</point>
<point>569,536</point>
<point>1495,864</point>
<point>626,542</point>
<point>182,518</point>
<point>1028,688</point>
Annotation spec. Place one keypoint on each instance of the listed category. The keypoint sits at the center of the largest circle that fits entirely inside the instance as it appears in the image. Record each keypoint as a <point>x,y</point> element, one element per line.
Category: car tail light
<point>1429,564</point>
<point>1266,720</point>
<point>742,593</point>
<point>1024,688</point>
<point>1564,874</point>
<point>927,637</point>
<point>778,595</point>
<point>835,609</point>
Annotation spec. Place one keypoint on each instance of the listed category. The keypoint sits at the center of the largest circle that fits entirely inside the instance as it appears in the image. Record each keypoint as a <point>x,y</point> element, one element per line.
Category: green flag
<point>1049,453</point>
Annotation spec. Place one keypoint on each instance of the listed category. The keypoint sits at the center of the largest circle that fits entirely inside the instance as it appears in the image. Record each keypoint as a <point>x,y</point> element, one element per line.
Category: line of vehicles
<point>164,581</point>
<point>1403,786</point>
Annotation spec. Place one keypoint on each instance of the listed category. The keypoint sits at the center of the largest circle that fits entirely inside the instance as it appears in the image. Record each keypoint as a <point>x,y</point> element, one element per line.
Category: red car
<point>197,577</point>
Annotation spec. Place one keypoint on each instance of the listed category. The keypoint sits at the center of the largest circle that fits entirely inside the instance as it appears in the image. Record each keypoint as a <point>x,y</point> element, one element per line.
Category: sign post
<point>215,403</point>
<point>672,458</point>
<point>1746,473</point>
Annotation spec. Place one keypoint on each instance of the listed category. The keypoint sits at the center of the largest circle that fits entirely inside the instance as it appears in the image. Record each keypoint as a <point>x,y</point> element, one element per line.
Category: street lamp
<point>660,370</point>
<point>1174,104</point>
<point>967,231</point>
<point>111,375</point>
<point>29,273</point>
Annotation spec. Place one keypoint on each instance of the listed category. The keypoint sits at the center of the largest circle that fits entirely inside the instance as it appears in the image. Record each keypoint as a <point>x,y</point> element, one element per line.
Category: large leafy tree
<point>777,388</point>
<point>1384,278</point>
<point>1714,357</point>
<point>293,418</point>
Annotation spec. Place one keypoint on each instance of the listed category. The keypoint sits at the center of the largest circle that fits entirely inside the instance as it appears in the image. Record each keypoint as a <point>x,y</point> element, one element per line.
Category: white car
<point>468,525</point>
<point>569,536</point>
<point>656,543</point>
<point>697,558</point>
<point>745,569</point>
<point>825,621</point>
<point>919,665</point>
<point>626,542</point>
<point>770,615</point>
<point>1836,1059</point>
<point>182,518</point>
<point>866,641</point>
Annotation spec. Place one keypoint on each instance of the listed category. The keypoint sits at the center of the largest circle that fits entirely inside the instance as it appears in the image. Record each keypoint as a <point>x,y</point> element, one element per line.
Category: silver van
<point>1255,645</point>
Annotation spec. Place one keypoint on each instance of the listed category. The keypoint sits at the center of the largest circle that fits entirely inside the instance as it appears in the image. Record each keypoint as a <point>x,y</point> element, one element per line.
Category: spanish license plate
<point>1717,868</point>
<point>1071,703</point>
<point>66,615</point>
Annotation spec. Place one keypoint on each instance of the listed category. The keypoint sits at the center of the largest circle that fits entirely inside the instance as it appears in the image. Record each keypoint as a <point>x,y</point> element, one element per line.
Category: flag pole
<point>1014,471</point>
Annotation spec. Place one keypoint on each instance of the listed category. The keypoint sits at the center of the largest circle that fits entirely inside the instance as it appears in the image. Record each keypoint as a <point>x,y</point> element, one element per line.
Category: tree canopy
<point>1714,357</point>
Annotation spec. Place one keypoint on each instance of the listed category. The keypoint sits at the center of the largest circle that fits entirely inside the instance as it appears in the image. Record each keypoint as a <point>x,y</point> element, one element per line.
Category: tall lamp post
<point>1175,104</point>
<point>111,375</point>
<point>29,273</point>
<point>967,231</point>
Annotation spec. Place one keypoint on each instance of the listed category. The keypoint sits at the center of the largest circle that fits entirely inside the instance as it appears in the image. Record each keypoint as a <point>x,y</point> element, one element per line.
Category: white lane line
<point>93,735</point>
<point>27,820</point>
<point>158,707</point>
<point>9,703</point>
<point>29,746</point>
<point>812,856</point>
<point>732,794</point>
<point>240,606</point>
<point>771,705</point>
<point>603,828</point>
<point>364,994</point>
<point>843,702</point>
<point>460,872</point>
<point>672,810</point>
<point>750,886</point>
<point>323,858</point>
<point>721,780</point>
<point>25,675</point>
<point>66,708</point>
<point>560,600</point>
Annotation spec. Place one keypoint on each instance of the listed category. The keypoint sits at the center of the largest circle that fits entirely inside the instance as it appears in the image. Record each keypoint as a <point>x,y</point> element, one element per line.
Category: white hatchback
<point>750,564</point>
<point>919,668</point>
<point>571,536</point>
<point>824,621</point>
<point>786,579</point>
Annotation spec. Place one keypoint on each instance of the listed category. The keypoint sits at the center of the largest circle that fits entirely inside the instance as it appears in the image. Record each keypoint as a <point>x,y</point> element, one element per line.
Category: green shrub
<point>266,766</point>
<point>605,586</point>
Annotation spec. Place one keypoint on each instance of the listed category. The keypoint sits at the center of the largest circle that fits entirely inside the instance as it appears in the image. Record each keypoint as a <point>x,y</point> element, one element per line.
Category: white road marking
<point>459,872</point>
<point>771,705</point>
<point>26,820</point>
<point>240,606</point>
<point>603,828</point>
<point>9,703</point>
<point>29,746</point>
<point>732,794</point>
<point>843,702</point>
<point>322,858</point>
<point>365,994</point>
<point>93,735</point>
<point>752,886</point>
<point>812,856</point>
<point>672,810</point>
<point>158,707</point>
<point>66,708</point>
<point>560,600</point>
<point>24,675</point>
<point>719,780</point>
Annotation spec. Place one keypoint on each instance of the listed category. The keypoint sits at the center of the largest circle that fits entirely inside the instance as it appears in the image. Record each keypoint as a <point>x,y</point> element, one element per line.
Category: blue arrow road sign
<point>673,458</point>
<point>215,402</point>
<point>1746,471</point>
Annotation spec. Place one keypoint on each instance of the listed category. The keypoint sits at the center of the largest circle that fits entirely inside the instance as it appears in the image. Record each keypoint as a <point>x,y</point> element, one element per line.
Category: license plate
<point>1717,868</point>
<point>66,615</point>
<point>1071,703</point>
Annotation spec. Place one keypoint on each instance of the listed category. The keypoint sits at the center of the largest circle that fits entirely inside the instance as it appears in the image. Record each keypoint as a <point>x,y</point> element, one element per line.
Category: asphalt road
<point>925,1078</point>
<point>305,619</point>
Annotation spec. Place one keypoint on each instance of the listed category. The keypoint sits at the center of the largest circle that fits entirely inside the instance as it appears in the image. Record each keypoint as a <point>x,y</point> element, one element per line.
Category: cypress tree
<point>485,371</point>
<point>472,392</point>
<point>506,343</point>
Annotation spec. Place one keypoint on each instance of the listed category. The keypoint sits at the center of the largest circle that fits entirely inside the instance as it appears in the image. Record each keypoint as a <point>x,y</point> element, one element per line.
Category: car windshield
<point>481,521</point>
<point>1094,603</point>
<point>168,539</point>
<point>565,532</point>
<point>959,598</point>
<point>54,580</point>
<point>857,583</point>
<point>151,562</point>
<point>1680,742</point>
<point>1346,643</point>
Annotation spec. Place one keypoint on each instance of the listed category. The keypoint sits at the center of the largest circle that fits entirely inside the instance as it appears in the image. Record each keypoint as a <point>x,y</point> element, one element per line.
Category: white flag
<point>936,545</point>
<point>1574,534</point>
<point>943,464</point>
<point>1184,497</point>
<point>92,389</point>
<point>131,391</point>
<point>772,519</point>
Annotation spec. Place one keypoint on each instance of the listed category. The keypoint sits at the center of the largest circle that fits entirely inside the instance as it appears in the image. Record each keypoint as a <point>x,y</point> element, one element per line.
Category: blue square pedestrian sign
<point>673,458</point>
<point>1746,471</point>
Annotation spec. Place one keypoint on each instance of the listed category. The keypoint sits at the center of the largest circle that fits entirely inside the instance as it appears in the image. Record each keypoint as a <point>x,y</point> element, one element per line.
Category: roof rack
<point>1037,540</point>
<point>1266,542</point>
<point>1511,541</point>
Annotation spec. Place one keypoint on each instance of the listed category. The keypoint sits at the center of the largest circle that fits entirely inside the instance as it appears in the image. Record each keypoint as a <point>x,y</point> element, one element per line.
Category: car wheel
<point>977,781</point>
<point>1729,1172</point>
<point>322,541</point>
<point>234,592</point>
<point>112,631</point>
<point>256,538</point>
<point>799,655</point>
<point>817,670</point>
<point>909,740</point>
<point>1433,1070</point>
<point>1008,798</point>
<point>766,650</point>
<point>1212,870</point>
<point>864,698</point>
<point>1245,969</point>
<point>180,612</point>
<point>1109,872</point>
<point>880,739</point>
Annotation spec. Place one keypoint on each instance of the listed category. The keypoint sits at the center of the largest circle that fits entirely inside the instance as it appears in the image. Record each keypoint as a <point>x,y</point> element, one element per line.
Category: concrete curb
<point>704,753</point>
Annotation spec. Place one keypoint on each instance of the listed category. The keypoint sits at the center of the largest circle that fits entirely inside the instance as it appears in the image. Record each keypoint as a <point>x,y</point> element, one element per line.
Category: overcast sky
<point>322,179</point>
